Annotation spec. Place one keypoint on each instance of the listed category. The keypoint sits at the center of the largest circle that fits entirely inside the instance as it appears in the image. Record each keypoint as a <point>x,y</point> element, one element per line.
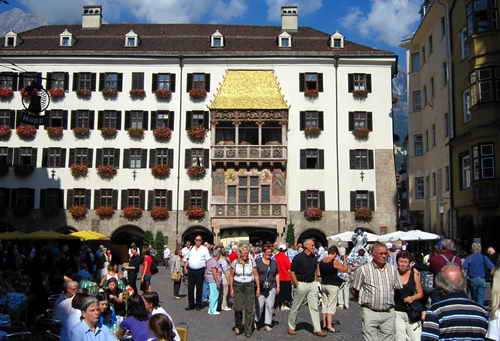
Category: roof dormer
<point>337,40</point>
<point>285,40</point>
<point>131,39</point>
<point>10,39</point>
<point>217,39</point>
<point>66,39</point>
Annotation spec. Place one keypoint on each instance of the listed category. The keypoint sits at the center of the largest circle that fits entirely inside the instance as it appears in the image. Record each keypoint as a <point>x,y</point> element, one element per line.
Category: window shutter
<point>115,199</point>
<point>66,81</point>
<point>206,119</point>
<point>206,157</point>
<point>14,81</point>
<point>100,119</point>
<point>353,201</point>
<point>301,82</point>
<point>45,155</point>
<point>9,156</point>
<point>188,119</point>
<point>371,195</point>
<point>97,198</point>
<point>187,159</point>
<point>189,84</point>
<point>137,80</point>
<point>88,194</point>
<point>73,119</point>
<point>322,200</point>
<point>142,198</point>
<point>19,113</point>
<point>62,160</point>
<point>101,81</point>
<point>126,158</point>
<point>151,198</point>
<point>207,82</point>
<point>370,159</point>
<point>152,158</point>
<point>351,82</point>
<point>91,119</point>
<point>205,200</point>
<point>144,158</point>
<point>124,199</point>
<point>369,83</point>
<point>170,153</point>
<point>93,81</point>
<point>302,159</point>
<point>352,159</point>
<point>120,81</point>
<point>351,121</point>
<point>320,116</point>
<point>187,200</point>
<point>71,157</point>
<point>98,161</point>
<point>12,118</point>
<point>43,198</point>
<point>302,200</point>
<point>90,154</point>
<point>321,163</point>
<point>320,82</point>
<point>127,119</point>
<point>153,120</point>
<point>171,120</point>
<point>172,82</point>
<point>145,120</point>
<point>370,121</point>
<point>65,119</point>
<point>169,200</point>
<point>154,82</point>
<point>48,81</point>
<point>117,158</point>
<point>302,120</point>
<point>119,120</point>
<point>16,156</point>
<point>60,198</point>
<point>76,77</point>
<point>34,157</point>
<point>69,199</point>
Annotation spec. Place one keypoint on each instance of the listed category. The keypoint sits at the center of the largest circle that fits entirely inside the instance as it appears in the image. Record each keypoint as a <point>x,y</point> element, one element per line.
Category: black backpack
<point>154,267</point>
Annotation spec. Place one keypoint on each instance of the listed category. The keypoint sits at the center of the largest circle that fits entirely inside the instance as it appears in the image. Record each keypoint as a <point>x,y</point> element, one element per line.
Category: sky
<point>376,23</point>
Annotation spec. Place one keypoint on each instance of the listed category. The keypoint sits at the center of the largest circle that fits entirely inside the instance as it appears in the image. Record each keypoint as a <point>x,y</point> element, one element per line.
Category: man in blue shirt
<point>88,329</point>
<point>476,266</point>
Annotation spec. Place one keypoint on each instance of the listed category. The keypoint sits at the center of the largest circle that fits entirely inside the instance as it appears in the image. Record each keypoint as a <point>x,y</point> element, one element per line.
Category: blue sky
<point>376,23</point>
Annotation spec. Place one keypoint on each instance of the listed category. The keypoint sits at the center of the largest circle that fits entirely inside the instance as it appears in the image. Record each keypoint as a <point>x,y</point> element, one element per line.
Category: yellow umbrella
<point>89,235</point>
<point>11,235</point>
<point>47,235</point>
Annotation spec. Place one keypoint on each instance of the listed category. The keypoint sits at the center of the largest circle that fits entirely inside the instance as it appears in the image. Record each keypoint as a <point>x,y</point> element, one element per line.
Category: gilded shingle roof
<point>249,89</point>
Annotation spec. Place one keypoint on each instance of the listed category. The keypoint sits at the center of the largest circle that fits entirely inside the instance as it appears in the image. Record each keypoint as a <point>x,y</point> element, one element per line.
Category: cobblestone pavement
<point>203,327</point>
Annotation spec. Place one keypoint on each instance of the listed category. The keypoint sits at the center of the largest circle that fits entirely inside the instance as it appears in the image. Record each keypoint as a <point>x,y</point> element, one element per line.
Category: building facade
<point>238,132</point>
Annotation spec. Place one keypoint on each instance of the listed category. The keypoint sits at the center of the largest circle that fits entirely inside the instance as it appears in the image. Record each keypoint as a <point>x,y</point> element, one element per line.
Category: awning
<point>90,235</point>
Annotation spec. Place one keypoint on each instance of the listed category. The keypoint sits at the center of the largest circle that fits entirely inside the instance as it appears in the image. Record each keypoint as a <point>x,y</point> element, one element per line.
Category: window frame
<point>491,12</point>
<point>479,157</point>
<point>419,188</point>
<point>134,197</point>
<point>196,198</point>
<point>417,100</point>
<point>465,170</point>
<point>198,83</point>
<point>159,198</point>
<point>418,145</point>
<point>55,157</point>
<point>313,199</point>
<point>106,197</point>
<point>360,199</point>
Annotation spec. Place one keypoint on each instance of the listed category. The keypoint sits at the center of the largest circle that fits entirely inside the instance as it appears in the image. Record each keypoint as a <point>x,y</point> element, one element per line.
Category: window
<point>11,41</point>
<point>467,112</point>
<point>162,119</point>
<point>419,188</point>
<point>131,39</point>
<point>134,198</point>
<point>231,194</point>
<point>106,198</point>
<point>108,157</point>
<point>248,189</point>
<point>8,80</point>
<point>57,80</point>
<point>109,119</point>
<point>311,119</point>
<point>52,198</point>
<point>361,159</point>
<point>362,199</point>
<point>443,27</point>
<point>136,157</point>
<point>465,170</point>
<point>433,92</point>
<point>444,72</point>
<point>265,194</point>
<point>285,42</point>
<point>415,62</point>
<point>80,156</point>
<point>26,78</point>
<point>79,196</point>
<point>25,156</point>
<point>197,157</point>
<point>423,55</point>
<point>484,161</point>
<point>417,100</point>
<point>84,81</point>
<point>54,157</point>
<point>164,81</point>
<point>82,119</point>
<point>434,184</point>
<point>427,141</point>
<point>465,44</point>
<point>425,95</point>
<point>434,138</point>
<point>448,178</point>
<point>137,80</point>
<point>360,119</point>
<point>160,198</point>
<point>311,81</point>
<point>446,125</point>
<point>311,159</point>
<point>485,85</point>
<point>131,42</point>
<point>7,118</point>
<point>312,199</point>
<point>24,198</point>
<point>196,199</point>
<point>337,43</point>
<point>66,41</point>
<point>57,118</point>
<point>110,80</point>
<point>431,45</point>
<point>359,82</point>
<point>197,119</point>
<point>136,119</point>
<point>5,156</point>
<point>481,16</point>
<point>164,156</point>
<point>198,81</point>
<point>419,145</point>
<point>217,42</point>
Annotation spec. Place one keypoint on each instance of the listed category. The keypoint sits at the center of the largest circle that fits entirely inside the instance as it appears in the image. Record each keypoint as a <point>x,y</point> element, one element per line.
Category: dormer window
<point>217,39</point>
<point>11,39</point>
<point>66,39</point>
<point>337,40</point>
<point>131,39</point>
<point>285,40</point>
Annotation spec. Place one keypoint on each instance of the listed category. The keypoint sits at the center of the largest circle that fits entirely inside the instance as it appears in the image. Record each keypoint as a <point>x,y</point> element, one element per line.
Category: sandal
<point>237,330</point>
<point>332,330</point>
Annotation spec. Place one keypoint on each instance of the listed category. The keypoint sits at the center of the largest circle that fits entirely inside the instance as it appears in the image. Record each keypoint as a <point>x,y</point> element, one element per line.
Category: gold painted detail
<point>249,115</point>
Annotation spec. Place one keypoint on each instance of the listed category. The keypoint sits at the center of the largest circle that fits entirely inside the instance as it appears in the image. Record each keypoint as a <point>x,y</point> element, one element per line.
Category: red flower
<point>313,93</point>
<point>313,213</point>
<point>196,172</point>
<point>81,132</point>
<point>109,92</point>
<point>361,132</point>
<point>132,212</point>
<point>198,93</point>
<point>57,93</point>
<point>160,171</point>
<point>78,211</point>
<point>195,213</point>
<point>5,132</point>
<point>25,93</point>
<point>197,133</point>
<point>159,213</point>
<point>136,133</point>
<point>26,131</point>
<point>79,170</point>
<point>104,211</point>
<point>162,133</point>
<point>55,132</point>
<point>6,93</point>
<point>83,93</point>
<point>106,172</point>
<point>108,132</point>
<point>363,213</point>
<point>163,94</point>
<point>137,93</point>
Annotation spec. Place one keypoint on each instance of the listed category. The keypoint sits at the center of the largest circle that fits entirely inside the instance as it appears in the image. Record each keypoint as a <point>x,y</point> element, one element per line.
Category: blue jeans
<point>205,291</point>
<point>478,289</point>
<point>214,298</point>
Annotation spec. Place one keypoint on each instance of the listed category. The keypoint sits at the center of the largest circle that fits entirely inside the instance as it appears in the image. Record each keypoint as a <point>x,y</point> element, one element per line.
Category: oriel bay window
<point>481,16</point>
<point>360,119</point>
<point>312,159</point>
<point>84,81</point>
<point>163,81</point>
<point>78,197</point>
<point>8,80</point>
<point>82,119</point>
<point>106,197</point>
<point>162,119</point>
<point>80,156</point>
<point>54,158</point>
<point>160,198</point>
<point>58,80</point>
<point>109,119</point>
<point>312,199</point>
<point>197,119</point>
<point>362,199</point>
<point>7,118</point>
<point>52,198</point>
<point>135,158</point>
<point>485,86</point>
<point>361,159</point>
<point>57,118</point>
<point>110,80</point>
<point>197,157</point>
<point>195,199</point>
<point>136,119</point>
<point>465,170</point>
<point>198,81</point>
<point>108,157</point>
<point>161,156</point>
<point>133,198</point>
<point>484,161</point>
<point>311,81</point>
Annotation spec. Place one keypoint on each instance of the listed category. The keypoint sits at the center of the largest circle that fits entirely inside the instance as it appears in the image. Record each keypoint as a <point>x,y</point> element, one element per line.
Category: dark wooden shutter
<point>145,122</point>
<point>189,83</point>
<point>14,80</point>
<point>170,153</point>
<point>351,121</point>
<point>320,119</point>
<point>369,83</point>
<point>152,158</point>
<point>101,81</point>
<point>34,157</point>
<point>154,82</point>
<point>142,198</point>
<point>66,81</point>
<point>62,160</point>
<point>187,200</point>
<point>60,198</point>
<point>207,82</point>
<point>100,119</point>
<point>91,119</point>
<point>321,156</point>
<point>151,199</point>
<point>90,155</point>
<point>126,158</point>
<point>73,119</point>
<point>65,119</point>
<point>169,200</point>
<point>69,198</point>
<point>206,158</point>
<point>188,119</point>
<point>127,120</point>
<point>48,82</point>
<point>12,118</point>
<point>120,82</point>
<point>322,200</point>
<point>45,156</point>
<point>93,81</point>
<point>187,159</point>
<point>13,199</point>
<point>71,157</point>
<point>98,161</point>
<point>115,199</point>
<point>371,196</point>
<point>172,82</point>
<point>302,159</point>
<point>153,120</point>
<point>206,119</point>
<point>204,196</point>
<point>351,82</point>
<point>76,77</point>
<point>301,82</point>
<point>352,159</point>
<point>302,200</point>
<point>119,120</point>
<point>117,158</point>
<point>370,120</point>
<point>144,158</point>
<point>320,82</point>
<point>370,159</point>
<point>171,120</point>
<point>353,201</point>
<point>16,156</point>
<point>19,114</point>
<point>9,156</point>
<point>124,199</point>
<point>302,120</point>
<point>88,194</point>
<point>97,198</point>
<point>137,80</point>
<point>43,198</point>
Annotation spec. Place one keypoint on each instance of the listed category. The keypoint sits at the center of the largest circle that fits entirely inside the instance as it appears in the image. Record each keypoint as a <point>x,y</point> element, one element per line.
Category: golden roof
<point>249,89</point>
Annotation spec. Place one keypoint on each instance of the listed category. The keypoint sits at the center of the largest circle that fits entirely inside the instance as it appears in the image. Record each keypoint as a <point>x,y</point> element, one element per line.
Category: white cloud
<point>305,7</point>
<point>388,21</point>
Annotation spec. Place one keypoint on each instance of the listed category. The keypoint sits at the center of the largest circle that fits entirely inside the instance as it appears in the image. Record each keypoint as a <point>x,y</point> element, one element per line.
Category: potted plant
<point>313,213</point>
<point>195,213</point>
<point>197,134</point>
<point>137,93</point>
<point>160,171</point>
<point>163,94</point>
<point>57,93</point>
<point>196,172</point>
<point>109,93</point>
<point>79,171</point>
<point>159,213</point>
<point>132,212</point>
<point>108,133</point>
<point>81,132</point>
<point>162,134</point>
<point>105,211</point>
<point>361,133</point>
<point>363,213</point>
<point>311,93</point>
<point>312,132</point>
<point>106,172</point>
<point>360,93</point>
<point>198,93</point>
<point>5,132</point>
<point>78,211</point>
<point>84,93</point>
<point>6,93</point>
<point>26,131</point>
<point>136,133</point>
<point>55,132</point>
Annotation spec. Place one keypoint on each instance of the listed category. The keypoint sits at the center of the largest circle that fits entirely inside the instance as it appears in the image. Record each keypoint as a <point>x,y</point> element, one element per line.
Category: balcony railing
<point>249,152</point>
<point>486,193</point>
<point>249,210</point>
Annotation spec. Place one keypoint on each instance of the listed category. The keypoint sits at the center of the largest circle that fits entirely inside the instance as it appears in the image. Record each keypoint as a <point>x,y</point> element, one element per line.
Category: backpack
<point>427,280</point>
<point>154,266</point>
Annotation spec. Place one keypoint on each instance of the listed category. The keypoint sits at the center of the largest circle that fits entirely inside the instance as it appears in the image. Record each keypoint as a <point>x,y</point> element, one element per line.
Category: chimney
<point>91,16</point>
<point>289,18</point>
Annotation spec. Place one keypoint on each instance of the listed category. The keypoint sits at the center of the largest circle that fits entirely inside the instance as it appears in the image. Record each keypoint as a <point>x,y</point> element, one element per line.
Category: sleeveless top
<point>329,275</point>
<point>409,289</point>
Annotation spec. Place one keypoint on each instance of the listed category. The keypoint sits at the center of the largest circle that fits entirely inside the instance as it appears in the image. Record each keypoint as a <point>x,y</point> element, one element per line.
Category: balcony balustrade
<point>249,210</point>
<point>486,193</point>
<point>249,153</point>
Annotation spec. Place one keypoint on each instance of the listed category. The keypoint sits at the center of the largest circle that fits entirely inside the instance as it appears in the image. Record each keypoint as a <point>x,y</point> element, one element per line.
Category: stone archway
<point>315,234</point>
<point>123,237</point>
<point>248,234</point>
<point>196,230</point>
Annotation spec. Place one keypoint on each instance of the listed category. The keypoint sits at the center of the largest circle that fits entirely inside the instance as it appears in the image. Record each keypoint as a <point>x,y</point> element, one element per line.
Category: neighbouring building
<point>236,131</point>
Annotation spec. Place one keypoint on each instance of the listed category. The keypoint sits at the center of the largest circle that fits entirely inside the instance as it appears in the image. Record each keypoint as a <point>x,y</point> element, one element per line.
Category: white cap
<point>282,247</point>
<point>388,245</point>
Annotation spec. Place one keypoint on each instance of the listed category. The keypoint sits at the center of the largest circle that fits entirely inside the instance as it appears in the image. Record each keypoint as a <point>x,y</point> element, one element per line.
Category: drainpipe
<point>181,65</point>
<point>336,66</point>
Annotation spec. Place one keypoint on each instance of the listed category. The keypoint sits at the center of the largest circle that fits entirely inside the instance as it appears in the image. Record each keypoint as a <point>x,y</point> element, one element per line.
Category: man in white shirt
<point>185,250</point>
<point>166,256</point>
<point>195,262</point>
<point>62,306</point>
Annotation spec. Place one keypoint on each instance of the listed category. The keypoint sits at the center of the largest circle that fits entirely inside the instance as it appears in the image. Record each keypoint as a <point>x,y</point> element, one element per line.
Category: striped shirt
<point>455,318</point>
<point>376,285</point>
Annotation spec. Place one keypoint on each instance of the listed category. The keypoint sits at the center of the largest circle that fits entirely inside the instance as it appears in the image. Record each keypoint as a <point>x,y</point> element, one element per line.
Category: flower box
<point>6,93</point>
<point>196,172</point>
<point>23,170</point>
<point>197,134</point>
<point>198,93</point>
<point>159,213</point>
<point>136,133</point>
<point>25,93</point>
<point>162,134</point>
<point>132,212</point>
<point>79,170</point>
<point>364,214</point>
<point>26,131</point>
<point>108,133</point>
<point>78,211</point>
<point>195,213</point>
<point>57,93</point>
<point>83,93</point>
<point>81,132</point>
<point>160,171</point>
<point>5,132</point>
<point>106,172</point>
<point>313,213</point>
<point>105,211</point>
<point>55,132</point>
<point>110,93</point>
<point>361,133</point>
<point>137,93</point>
<point>312,132</point>
<point>163,94</point>
<point>311,93</point>
<point>360,93</point>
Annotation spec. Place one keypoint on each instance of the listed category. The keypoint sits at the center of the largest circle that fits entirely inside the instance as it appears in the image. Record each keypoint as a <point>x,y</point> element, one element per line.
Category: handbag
<point>415,311</point>
<point>176,276</point>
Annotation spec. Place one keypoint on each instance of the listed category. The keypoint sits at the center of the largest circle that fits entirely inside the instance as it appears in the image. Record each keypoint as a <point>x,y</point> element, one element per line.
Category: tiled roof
<point>186,39</point>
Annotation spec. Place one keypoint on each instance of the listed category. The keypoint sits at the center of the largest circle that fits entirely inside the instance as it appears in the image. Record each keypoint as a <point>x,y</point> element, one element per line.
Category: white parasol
<point>392,236</point>
<point>347,237</point>
<point>419,235</point>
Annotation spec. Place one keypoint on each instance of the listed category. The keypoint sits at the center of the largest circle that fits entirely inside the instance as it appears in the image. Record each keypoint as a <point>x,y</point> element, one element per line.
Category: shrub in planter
<point>26,131</point>
<point>162,134</point>
<point>311,93</point>
<point>159,213</point>
<point>109,93</point>
<point>364,214</point>
<point>6,93</point>
<point>360,93</point>
<point>313,213</point>
<point>160,171</point>
<point>79,170</point>
<point>196,172</point>
<point>163,94</point>
<point>195,213</point>
<point>361,132</point>
<point>106,172</point>
<point>5,132</point>
<point>108,133</point>
<point>81,132</point>
<point>136,133</point>
<point>197,133</point>
<point>132,212</point>
<point>55,132</point>
<point>78,211</point>
<point>312,132</point>
<point>83,93</point>
<point>137,93</point>
<point>198,93</point>
<point>104,211</point>
<point>57,93</point>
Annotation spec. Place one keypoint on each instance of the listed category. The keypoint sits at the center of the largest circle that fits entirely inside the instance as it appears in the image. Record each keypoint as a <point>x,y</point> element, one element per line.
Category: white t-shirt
<point>494,327</point>
<point>243,272</point>
<point>184,252</point>
<point>197,257</point>
<point>166,253</point>
<point>162,311</point>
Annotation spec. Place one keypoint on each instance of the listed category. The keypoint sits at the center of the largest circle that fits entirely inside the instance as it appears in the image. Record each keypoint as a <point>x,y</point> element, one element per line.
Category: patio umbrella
<point>347,237</point>
<point>419,235</point>
<point>11,235</point>
<point>90,235</point>
<point>48,235</point>
<point>392,236</point>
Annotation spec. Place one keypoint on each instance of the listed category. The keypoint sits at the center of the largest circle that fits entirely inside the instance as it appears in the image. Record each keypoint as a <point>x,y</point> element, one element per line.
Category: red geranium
<point>57,93</point>
<point>78,211</point>
<point>162,133</point>
<point>5,132</point>
<point>196,172</point>
<point>79,170</point>
<point>104,211</point>
<point>160,171</point>
<point>83,93</point>
<point>360,93</point>
<point>313,213</point>
<point>55,132</point>
<point>197,133</point>
<point>195,213</point>
<point>363,213</point>
<point>81,132</point>
<point>312,132</point>
<point>136,133</point>
<point>159,213</point>
<point>163,94</point>
<point>198,93</point>
<point>108,132</point>
<point>6,93</point>
<point>110,92</point>
<point>106,172</point>
<point>137,93</point>
<point>313,93</point>
<point>25,93</point>
<point>361,132</point>
<point>132,212</point>
<point>26,131</point>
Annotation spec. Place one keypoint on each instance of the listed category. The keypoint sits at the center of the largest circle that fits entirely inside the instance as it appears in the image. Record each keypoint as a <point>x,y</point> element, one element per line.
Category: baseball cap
<point>439,244</point>
<point>282,247</point>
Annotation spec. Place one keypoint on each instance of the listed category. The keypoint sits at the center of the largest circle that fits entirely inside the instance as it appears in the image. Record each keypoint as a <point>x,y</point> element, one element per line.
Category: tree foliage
<point>148,239</point>
<point>290,235</point>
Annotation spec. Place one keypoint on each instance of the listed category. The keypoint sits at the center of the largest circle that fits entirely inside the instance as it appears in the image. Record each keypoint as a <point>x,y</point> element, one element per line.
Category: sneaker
<point>268,328</point>
<point>284,308</point>
<point>227,309</point>
<point>214,313</point>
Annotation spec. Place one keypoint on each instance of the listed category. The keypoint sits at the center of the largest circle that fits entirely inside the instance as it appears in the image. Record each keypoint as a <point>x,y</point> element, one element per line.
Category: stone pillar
<point>237,133</point>
<point>259,124</point>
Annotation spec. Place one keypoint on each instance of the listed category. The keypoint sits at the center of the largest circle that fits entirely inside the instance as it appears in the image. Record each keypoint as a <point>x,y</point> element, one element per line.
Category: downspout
<point>336,66</point>
<point>181,65</point>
